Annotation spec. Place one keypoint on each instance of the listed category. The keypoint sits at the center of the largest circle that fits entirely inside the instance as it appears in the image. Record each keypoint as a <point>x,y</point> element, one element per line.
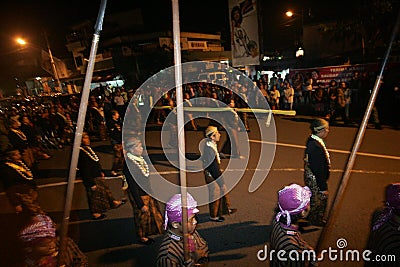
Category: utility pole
<point>53,64</point>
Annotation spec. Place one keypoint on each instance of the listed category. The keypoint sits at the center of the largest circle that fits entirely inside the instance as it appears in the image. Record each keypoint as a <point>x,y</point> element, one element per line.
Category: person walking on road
<point>316,170</point>
<point>293,205</point>
<point>220,201</point>
<point>147,215</point>
<point>114,126</point>
<point>99,195</point>
<point>171,251</point>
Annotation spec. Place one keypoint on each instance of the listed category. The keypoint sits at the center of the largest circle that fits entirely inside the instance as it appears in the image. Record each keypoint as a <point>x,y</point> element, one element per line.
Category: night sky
<point>29,18</point>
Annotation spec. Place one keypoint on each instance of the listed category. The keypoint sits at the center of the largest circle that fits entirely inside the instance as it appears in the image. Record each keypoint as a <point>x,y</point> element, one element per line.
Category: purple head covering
<point>292,199</point>
<point>173,209</point>
<point>41,226</point>
<point>392,204</point>
<point>393,195</point>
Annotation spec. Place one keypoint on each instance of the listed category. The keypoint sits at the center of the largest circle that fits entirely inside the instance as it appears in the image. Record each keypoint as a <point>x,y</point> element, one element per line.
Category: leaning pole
<point>78,134</point>
<point>360,135</point>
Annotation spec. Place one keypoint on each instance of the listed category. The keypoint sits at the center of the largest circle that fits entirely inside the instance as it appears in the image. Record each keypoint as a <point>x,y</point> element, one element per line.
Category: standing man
<point>220,204</point>
<point>114,126</point>
<point>316,166</point>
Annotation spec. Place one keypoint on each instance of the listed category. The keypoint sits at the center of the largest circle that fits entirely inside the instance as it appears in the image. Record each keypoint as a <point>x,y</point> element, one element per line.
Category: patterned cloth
<point>215,181</point>
<point>288,240</point>
<point>101,199</point>
<point>385,240</point>
<point>171,252</point>
<point>150,223</point>
<point>41,245</point>
<point>319,201</point>
<point>118,157</point>
<point>220,206</point>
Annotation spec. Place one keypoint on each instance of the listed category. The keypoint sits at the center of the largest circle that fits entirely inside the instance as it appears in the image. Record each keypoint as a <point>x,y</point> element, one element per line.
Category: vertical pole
<point>180,122</point>
<point>78,135</point>
<point>53,64</point>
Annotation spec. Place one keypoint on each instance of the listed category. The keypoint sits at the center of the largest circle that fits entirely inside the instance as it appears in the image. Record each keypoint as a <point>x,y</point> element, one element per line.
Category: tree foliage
<point>368,26</point>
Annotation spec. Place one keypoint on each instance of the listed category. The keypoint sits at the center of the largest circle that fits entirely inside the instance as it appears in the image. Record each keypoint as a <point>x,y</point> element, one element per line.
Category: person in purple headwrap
<point>171,252</point>
<point>384,237</point>
<point>293,205</point>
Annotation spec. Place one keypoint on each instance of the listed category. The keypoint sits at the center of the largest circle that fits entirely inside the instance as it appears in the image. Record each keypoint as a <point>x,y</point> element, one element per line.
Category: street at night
<point>112,242</point>
<point>199,133</point>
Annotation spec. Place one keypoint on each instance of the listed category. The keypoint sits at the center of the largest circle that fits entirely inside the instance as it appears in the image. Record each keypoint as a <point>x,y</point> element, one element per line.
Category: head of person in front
<point>213,134</point>
<point>320,128</point>
<point>384,235</point>
<point>135,146</point>
<point>293,205</point>
<point>171,252</point>
<point>174,216</point>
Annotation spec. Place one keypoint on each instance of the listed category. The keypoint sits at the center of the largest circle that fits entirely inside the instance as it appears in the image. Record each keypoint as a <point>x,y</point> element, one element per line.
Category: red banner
<point>339,73</point>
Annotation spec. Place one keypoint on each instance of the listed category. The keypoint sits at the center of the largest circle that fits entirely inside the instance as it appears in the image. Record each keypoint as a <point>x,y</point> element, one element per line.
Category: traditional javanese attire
<point>101,199</point>
<point>20,186</point>
<point>384,238</point>
<point>316,175</point>
<point>285,236</point>
<point>150,223</point>
<point>219,198</point>
<point>171,251</point>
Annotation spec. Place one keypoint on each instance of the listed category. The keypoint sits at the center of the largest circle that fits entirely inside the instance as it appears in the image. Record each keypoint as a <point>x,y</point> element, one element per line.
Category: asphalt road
<point>112,242</point>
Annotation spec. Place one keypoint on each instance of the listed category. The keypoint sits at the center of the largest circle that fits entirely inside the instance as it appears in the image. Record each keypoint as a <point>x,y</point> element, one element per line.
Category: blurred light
<point>300,52</point>
<point>289,13</point>
<point>20,41</point>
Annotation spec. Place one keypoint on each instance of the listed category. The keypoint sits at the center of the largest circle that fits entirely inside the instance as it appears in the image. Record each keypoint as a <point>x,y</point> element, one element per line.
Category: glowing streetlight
<point>22,42</point>
<point>293,17</point>
<point>289,13</point>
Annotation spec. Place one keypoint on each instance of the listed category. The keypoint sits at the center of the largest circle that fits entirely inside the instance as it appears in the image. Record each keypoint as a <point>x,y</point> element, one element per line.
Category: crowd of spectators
<point>36,124</point>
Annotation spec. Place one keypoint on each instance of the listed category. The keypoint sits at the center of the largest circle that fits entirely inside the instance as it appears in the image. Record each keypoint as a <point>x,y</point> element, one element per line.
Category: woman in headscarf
<point>293,205</point>
<point>171,252</point>
<point>316,170</point>
<point>147,215</point>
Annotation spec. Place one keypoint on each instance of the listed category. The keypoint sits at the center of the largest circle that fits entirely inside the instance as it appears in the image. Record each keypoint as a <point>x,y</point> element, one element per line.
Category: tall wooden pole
<point>180,123</point>
<point>78,134</point>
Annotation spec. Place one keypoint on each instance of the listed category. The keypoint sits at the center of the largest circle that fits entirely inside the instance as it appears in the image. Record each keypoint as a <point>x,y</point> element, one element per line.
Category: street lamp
<point>299,42</point>
<point>20,41</point>
<point>296,15</point>
<point>23,42</point>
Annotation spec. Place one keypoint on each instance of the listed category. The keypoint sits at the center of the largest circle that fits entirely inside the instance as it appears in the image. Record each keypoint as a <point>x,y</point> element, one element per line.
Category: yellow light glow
<point>289,13</point>
<point>21,41</point>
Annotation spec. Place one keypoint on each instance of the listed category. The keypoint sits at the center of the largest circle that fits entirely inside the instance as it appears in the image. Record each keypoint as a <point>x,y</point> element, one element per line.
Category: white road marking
<point>331,150</point>
<point>275,169</point>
